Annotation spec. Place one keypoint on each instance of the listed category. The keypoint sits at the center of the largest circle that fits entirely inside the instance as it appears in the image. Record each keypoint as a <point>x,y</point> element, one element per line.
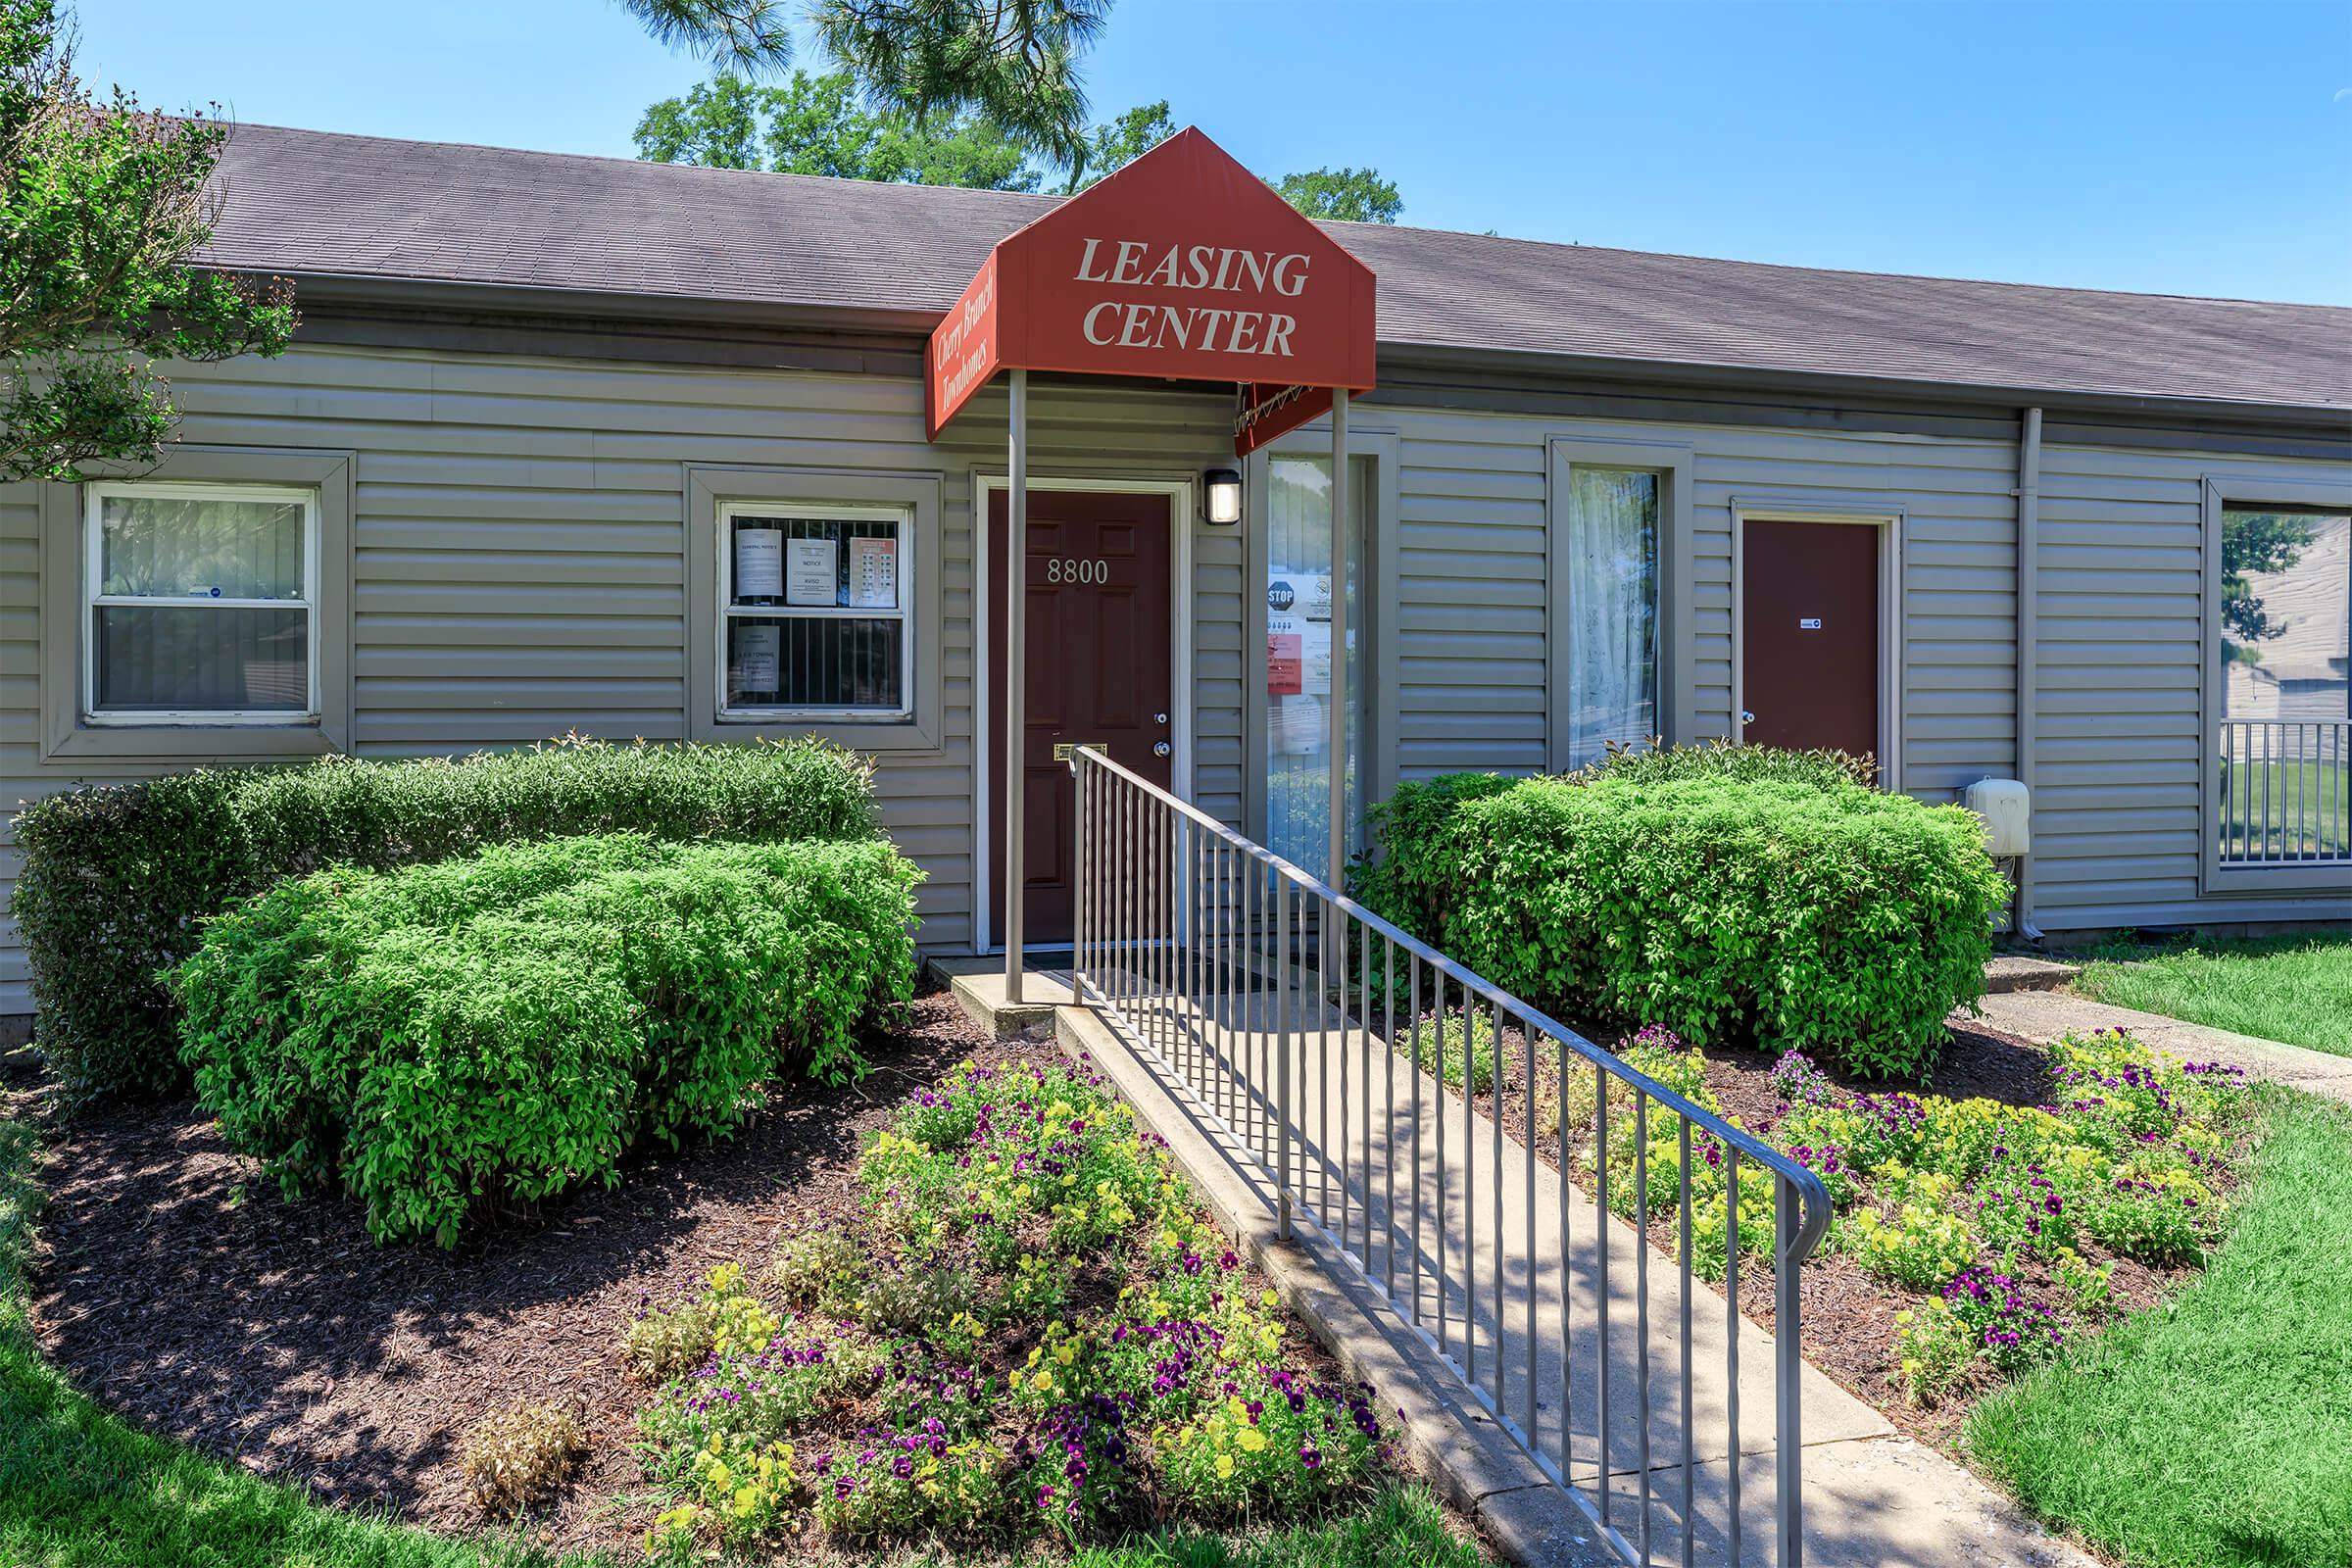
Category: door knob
<point>1161,749</point>
<point>1160,718</point>
<point>1746,717</point>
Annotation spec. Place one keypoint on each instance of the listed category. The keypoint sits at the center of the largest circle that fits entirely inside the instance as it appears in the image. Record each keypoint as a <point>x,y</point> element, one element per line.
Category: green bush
<point>1407,874</point>
<point>116,877</point>
<point>498,1028</point>
<point>1801,911</point>
<point>1409,881</point>
<point>1819,767</point>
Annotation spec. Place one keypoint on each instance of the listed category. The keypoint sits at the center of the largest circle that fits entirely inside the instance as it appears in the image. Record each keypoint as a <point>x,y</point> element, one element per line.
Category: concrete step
<point>2015,971</point>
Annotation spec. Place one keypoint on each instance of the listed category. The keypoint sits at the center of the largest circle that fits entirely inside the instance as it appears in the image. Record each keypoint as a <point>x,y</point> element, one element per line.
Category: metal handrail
<point>1160,947</point>
<point>1816,1193</point>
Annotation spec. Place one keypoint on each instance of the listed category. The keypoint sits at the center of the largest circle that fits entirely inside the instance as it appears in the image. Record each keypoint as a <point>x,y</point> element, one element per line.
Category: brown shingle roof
<point>358,206</point>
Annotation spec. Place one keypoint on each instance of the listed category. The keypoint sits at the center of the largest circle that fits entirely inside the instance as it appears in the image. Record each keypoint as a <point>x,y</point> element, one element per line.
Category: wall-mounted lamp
<point>1224,497</point>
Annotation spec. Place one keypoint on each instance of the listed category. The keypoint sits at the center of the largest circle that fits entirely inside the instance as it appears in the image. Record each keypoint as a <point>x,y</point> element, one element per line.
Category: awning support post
<point>1338,638</point>
<point>1016,676</point>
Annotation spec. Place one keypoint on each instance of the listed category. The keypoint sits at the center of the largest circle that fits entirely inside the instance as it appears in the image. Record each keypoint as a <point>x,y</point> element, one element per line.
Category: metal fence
<point>2285,792</point>
<point>1317,1034</point>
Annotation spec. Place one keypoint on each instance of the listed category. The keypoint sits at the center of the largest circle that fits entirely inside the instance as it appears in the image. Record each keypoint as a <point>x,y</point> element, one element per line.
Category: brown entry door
<point>1101,669</point>
<point>1809,629</point>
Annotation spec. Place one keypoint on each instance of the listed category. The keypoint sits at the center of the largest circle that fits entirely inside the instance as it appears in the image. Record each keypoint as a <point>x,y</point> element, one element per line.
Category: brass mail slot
<point>1064,749</point>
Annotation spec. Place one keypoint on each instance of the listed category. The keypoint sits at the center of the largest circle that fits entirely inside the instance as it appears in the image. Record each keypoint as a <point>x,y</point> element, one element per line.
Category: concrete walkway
<point>2044,1015</point>
<point>1505,1269</point>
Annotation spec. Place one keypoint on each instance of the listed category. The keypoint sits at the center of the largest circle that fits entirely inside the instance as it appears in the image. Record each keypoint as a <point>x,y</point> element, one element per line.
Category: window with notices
<point>813,611</point>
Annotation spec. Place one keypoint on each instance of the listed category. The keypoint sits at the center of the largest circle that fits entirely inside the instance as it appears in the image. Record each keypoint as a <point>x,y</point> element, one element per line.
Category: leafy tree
<point>1014,63</point>
<point>1112,147</point>
<point>733,36</point>
<point>1343,195</point>
<point>2256,542</point>
<point>104,204</point>
<point>1009,64</point>
<point>817,126</point>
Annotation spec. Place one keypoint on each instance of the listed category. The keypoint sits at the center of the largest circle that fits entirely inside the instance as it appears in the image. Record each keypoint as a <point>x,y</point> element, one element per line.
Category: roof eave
<point>456,296</point>
<point>1608,367</point>
<point>339,291</point>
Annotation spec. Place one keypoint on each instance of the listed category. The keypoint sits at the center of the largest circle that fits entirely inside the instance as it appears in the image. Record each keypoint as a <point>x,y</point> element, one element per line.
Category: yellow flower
<point>1250,1439</point>
<point>1012,1379</point>
<point>1065,1354</point>
<point>1269,1298</point>
<point>1240,1411</point>
<point>1224,1468</point>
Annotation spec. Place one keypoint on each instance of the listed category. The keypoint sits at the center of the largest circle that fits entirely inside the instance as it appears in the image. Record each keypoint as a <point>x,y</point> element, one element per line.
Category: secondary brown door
<point>1100,669</point>
<point>1809,668</point>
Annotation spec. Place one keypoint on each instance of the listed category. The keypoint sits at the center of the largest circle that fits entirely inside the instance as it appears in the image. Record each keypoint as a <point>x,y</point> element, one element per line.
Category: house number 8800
<point>1067,569</point>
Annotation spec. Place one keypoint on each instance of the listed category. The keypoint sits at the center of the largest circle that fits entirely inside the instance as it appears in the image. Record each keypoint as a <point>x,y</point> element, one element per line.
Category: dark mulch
<point>180,1290</point>
<point>1847,1316</point>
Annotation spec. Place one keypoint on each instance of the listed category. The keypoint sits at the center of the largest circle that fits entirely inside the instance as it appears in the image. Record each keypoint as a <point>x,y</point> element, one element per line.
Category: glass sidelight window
<point>202,604</point>
<point>1299,651</point>
<point>1611,558</point>
<point>814,611</point>
<point>2282,778</point>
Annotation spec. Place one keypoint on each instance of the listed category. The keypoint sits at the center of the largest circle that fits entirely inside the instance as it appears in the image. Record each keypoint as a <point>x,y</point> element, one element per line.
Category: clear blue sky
<point>2201,149</point>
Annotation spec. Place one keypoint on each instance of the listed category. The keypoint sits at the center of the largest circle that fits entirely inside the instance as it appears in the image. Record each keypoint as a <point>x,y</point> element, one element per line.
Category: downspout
<point>2029,630</point>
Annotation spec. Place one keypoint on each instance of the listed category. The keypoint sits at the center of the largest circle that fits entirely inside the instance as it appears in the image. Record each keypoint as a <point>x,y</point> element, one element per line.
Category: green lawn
<point>2216,1430</point>
<point>79,1488</point>
<point>2285,809</point>
<point>2295,989</point>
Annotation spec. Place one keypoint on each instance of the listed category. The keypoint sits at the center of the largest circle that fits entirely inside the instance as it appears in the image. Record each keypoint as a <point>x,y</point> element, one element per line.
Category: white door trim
<point>1182,491</point>
<point>1891,616</point>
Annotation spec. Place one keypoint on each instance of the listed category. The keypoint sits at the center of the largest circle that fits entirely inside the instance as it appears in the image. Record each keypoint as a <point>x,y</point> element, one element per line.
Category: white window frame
<point>92,601</point>
<point>902,519</point>
<point>1675,699</point>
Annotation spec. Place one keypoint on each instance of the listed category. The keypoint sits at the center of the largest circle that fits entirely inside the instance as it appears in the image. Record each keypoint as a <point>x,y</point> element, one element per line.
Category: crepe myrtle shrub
<point>1823,918</point>
<point>494,1030</point>
<point>117,878</point>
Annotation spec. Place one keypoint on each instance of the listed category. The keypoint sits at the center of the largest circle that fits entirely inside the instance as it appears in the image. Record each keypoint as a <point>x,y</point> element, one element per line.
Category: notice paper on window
<point>874,573</point>
<point>811,575</point>
<point>758,562</point>
<point>758,658</point>
<point>1282,664</point>
<point>1314,659</point>
<point>1297,726</point>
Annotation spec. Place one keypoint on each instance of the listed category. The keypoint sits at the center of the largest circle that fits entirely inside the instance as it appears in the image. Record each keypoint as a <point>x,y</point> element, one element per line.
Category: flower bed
<point>1026,1325</point>
<point>1974,1234</point>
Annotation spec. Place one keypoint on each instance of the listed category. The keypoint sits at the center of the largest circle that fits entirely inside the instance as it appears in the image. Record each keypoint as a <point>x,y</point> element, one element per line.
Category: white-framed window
<point>200,604</point>
<point>816,612</point>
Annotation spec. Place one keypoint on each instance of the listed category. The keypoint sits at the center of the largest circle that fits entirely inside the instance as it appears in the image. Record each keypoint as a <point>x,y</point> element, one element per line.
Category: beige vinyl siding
<point>1957,666</point>
<point>1475,633</point>
<point>1219,670</point>
<point>1470,603</point>
<point>518,546</point>
<point>2119,827</point>
<point>518,553</point>
<point>20,710</point>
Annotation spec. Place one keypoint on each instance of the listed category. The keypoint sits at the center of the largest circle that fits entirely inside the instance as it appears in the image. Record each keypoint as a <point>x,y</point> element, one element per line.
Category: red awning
<point>1181,266</point>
